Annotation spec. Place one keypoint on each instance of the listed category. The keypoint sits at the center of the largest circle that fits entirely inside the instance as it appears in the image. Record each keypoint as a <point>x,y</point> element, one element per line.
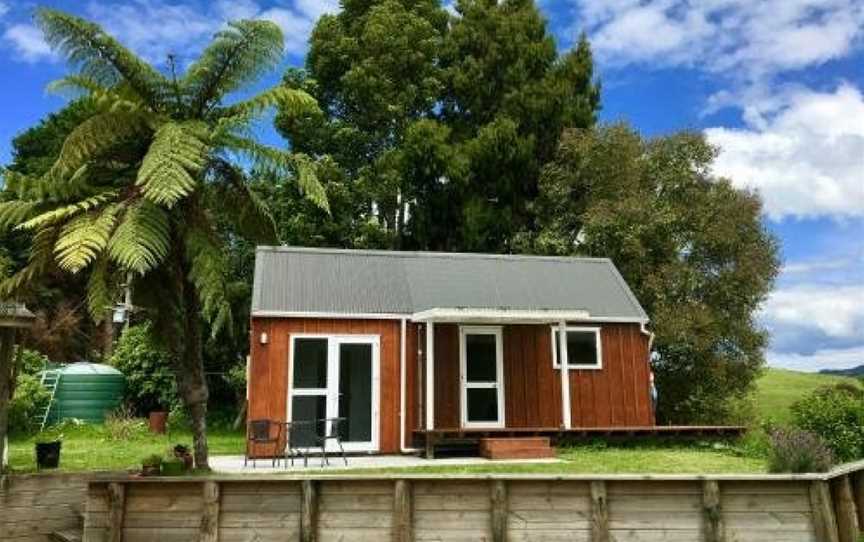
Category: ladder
<point>50,379</point>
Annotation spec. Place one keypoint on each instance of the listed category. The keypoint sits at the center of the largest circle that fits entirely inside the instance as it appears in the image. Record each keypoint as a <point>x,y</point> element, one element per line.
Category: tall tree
<point>508,95</point>
<point>137,185</point>
<point>373,69</point>
<point>693,248</point>
<point>439,123</point>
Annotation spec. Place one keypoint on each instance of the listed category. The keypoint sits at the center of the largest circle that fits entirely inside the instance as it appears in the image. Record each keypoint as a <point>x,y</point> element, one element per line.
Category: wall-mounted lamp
<point>264,338</point>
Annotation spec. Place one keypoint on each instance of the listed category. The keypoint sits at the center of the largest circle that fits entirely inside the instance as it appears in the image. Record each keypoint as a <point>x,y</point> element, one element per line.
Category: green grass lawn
<point>778,389</point>
<point>95,447</point>
<point>92,447</point>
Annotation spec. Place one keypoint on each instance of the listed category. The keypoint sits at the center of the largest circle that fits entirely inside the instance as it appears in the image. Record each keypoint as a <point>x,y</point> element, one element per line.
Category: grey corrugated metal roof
<point>298,280</point>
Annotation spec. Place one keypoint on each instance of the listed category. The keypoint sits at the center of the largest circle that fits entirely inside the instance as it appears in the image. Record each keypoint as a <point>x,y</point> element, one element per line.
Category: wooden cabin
<point>413,348</point>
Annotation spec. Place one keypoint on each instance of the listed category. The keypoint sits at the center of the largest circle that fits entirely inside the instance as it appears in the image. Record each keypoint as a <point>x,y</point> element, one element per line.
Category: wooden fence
<point>779,508</point>
<point>32,506</point>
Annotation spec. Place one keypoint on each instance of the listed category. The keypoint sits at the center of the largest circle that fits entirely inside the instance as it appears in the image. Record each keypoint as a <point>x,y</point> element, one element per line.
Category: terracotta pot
<point>158,421</point>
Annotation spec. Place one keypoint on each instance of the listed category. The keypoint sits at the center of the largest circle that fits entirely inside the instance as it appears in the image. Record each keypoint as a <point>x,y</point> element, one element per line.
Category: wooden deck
<point>430,439</point>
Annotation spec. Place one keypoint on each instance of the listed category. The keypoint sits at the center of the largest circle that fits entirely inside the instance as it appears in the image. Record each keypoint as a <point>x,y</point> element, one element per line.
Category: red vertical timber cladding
<point>447,388</point>
<point>268,385</point>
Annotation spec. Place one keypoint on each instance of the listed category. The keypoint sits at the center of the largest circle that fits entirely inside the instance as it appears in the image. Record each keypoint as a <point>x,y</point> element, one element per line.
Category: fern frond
<point>282,163</point>
<point>170,169</point>
<point>292,102</point>
<point>75,86</point>
<point>208,272</point>
<point>98,56</point>
<point>143,238</point>
<point>234,199</point>
<point>84,238</point>
<point>61,214</point>
<point>93,137</point>
<point>238,55</point>
<point>100,290</point>
<point>15,212</point>
<point>41,254</point>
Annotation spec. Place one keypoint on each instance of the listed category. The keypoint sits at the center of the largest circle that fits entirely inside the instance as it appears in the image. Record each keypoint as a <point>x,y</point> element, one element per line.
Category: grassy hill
<point>777,389</point>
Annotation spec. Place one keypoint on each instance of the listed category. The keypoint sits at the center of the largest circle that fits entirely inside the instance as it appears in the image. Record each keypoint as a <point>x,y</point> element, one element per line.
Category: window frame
<point>596,330</point>
<point>498,385</point>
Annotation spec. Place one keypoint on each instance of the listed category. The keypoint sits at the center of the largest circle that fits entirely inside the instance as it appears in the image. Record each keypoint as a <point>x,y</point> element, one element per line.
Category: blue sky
<point>778,85</point>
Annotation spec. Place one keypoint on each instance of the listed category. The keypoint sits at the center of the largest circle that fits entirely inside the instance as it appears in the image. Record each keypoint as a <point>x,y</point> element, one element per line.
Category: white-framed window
<point>584,348</point>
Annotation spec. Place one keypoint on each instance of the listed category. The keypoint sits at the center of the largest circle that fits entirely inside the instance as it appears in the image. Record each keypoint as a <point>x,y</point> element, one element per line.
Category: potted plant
<point>182,453</point>
<point>158,421</point>
<point>48,446</point>
<point>151,465</point>
<point>172,465</point>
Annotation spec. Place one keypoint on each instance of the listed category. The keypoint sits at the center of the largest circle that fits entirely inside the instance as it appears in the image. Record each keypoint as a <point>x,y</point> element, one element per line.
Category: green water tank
<point>87,391</point>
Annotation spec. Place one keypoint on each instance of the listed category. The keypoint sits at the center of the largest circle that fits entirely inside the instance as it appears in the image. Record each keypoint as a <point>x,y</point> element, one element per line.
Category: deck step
<point>516,448</point>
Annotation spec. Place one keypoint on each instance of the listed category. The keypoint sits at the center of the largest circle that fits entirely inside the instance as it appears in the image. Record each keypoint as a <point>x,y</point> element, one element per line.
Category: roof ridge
<point>427,254</point>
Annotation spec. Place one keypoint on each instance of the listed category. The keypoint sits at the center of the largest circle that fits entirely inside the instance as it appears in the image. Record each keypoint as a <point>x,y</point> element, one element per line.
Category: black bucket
<point>48,454</point>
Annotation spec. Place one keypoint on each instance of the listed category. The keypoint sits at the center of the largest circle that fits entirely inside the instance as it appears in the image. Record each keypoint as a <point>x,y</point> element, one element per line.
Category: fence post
<point>499,510</point>
<point>309,511</point>
<point>858,483</point>
<point>599,512</point>
<point>402,505</point>
<point>844,508</point>
<point>715,531</point>
<point>210,515</point>
<point>116,511</point>
<point>823,511</point>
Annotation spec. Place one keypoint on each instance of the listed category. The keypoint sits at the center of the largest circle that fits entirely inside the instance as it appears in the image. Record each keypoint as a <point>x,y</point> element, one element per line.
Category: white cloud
<point>754,37</point>
<point>829,358</point>
<point>805,157</point>
<point>4,9</point>
<point>27,43</point>
<point>835,312</point>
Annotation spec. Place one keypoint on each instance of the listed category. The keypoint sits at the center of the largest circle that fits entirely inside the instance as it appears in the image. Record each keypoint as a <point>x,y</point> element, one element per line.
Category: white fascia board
<point>474,315</point>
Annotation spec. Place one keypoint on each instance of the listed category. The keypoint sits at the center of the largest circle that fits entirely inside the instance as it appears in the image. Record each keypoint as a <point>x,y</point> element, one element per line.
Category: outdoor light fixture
<point>264,338</point>
<point>119,313</point>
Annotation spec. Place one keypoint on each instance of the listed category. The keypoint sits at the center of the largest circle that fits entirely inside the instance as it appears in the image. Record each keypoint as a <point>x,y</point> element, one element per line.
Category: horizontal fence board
<point>651,535</point>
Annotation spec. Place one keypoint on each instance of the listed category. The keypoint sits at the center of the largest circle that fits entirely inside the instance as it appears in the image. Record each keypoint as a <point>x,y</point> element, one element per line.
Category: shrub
<point>794,450</point>
<point>150,381</point>
<point>31,362</point>
<point>835,413</point>
<point>123,425</point>
<point>27,404</point>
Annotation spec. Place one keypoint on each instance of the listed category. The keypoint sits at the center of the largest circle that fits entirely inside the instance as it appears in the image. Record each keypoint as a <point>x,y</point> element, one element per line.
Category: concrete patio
<point>234,463</point>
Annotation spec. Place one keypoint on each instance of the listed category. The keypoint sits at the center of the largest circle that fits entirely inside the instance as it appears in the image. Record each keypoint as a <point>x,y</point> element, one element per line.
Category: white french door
<point>481,360</point>
<point>336,376</point>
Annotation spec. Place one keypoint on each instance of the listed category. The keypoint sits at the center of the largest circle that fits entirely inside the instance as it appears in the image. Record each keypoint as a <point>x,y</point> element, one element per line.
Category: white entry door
<point>481,359</point>
<point>336,376</point>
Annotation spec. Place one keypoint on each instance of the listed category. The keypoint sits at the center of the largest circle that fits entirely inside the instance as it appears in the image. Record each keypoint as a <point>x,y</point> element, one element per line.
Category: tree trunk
<point>7,351</point>
<point>191,382</point>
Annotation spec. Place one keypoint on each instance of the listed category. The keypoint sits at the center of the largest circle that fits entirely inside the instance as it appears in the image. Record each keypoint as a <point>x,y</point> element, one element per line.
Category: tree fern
<point>142,241</point>
<point>15,212</point>
<point>208,273</point>
<point>94,137</point>
<point>100,290</point>
<point>169,171</point>
<point>83,238</point>
<point>291,101</point>
<point>238,55</point>
<point>66,212</point>
<point>99,56</point>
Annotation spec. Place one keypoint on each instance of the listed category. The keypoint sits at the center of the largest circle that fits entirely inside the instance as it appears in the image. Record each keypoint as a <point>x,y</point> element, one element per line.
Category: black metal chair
<point>260,433</point>
<point>296,434</point>
<point>331,432</point>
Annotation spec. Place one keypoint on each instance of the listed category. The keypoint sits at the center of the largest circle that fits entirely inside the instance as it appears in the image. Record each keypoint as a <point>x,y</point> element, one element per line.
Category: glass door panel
<point>482,387</point>
<point>355,392</point>
<point>336,376</point>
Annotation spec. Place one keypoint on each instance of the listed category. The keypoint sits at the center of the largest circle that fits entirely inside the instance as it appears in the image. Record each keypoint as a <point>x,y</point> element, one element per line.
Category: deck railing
<point>813,507</point>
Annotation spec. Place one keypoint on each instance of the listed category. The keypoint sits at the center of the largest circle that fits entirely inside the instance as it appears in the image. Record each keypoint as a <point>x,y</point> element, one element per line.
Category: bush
<point>31,362</point>
<point>150,383</point>
<point>836,414</point>
<point>27,404</point>
<point>122,425</point>
<point>798,451</point>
